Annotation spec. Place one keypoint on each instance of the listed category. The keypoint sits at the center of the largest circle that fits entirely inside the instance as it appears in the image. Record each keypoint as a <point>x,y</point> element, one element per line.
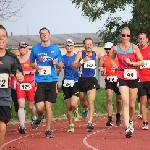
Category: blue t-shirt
<point>44,56</point>
<point>70,74</point>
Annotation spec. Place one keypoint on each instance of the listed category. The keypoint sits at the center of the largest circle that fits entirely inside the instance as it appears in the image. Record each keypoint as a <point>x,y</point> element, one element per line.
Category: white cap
<point>69,40</point>
<point>110,43</point>
<point>107,45</point>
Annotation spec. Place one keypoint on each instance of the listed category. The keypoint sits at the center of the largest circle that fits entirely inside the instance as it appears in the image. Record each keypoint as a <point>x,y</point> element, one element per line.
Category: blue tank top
<point>70,74</point>
<point>88,69</point>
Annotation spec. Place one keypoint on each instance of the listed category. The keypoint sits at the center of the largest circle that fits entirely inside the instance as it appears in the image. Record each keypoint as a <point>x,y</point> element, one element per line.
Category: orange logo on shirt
<point>26,65</point>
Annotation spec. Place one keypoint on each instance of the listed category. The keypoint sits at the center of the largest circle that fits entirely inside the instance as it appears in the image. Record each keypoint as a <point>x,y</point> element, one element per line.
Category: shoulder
<point>135,48</point>
<point>8,53</point>
<point>36,46</point>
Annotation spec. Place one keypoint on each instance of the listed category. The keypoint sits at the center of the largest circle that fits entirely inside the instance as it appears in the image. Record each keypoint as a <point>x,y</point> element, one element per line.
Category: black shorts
<point>46,91</point>
<point>144,89</point>
<point>5,114</point>
<point>86,84</point>
<point>70,91</point>
<point>112,86</point>
<point>14,98</point>
<point>129,83</point>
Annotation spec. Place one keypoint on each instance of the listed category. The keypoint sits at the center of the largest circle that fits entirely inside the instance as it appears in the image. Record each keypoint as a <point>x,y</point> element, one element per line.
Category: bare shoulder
<point>135,48</point>
<point>114,49</point>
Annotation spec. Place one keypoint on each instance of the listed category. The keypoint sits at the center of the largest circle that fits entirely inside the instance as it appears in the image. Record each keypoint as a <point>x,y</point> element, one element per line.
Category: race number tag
<point>4,80</point>
<point>90,64</point>
<point>146,64</point>
<point>112,78</point>
<point>130,74</point>
<point>45,70</point>
<point>25,86</point>
<point>68,83</point>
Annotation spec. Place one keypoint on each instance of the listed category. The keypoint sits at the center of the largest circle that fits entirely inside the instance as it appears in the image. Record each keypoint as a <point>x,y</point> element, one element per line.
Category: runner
<point>129,58</point>
<point>69,85</point>
<point>47,56</point>
<point>87,83</point>
<point>8,64</point>
<point>25,89</point>
<point>111,85</point>
<point>144,71</point>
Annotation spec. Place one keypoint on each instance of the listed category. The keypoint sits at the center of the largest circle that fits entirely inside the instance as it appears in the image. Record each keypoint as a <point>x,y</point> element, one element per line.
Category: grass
<point>59,108</point>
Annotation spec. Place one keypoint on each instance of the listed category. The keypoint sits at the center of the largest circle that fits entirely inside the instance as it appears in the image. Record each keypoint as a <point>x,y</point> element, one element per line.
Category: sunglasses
<point>125,35</point>
<point>69,45</point>
<point>107,48</point>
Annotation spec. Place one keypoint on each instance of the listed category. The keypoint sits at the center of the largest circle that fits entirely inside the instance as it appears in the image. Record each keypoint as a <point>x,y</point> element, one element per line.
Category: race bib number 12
<point>45,70</point>
<point>4,80</point>
<point>130,74</point>
<point>90,64</point>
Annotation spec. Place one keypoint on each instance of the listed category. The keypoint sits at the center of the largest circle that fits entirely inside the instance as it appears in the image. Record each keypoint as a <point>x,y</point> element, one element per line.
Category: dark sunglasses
<point>69,45</point>
<point>125,35</point>
<point>107,48</point>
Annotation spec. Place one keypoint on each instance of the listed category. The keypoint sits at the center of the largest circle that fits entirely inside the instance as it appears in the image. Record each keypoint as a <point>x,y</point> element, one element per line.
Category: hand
<point>101,69</point>
<point>79,73</point>
<point>114,67</point>
<point>128,61</point>
<point>19,76</point>
<point>55,61</point>
<point>86,58</point>
<point>38,68</point>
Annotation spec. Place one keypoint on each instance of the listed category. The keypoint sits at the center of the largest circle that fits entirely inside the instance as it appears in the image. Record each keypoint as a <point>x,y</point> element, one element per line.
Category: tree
<point>140,21</point>
<point>10,8</point>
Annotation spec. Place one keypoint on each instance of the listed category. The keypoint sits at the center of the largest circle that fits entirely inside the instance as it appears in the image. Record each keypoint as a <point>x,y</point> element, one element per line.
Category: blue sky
<point>60,16</point>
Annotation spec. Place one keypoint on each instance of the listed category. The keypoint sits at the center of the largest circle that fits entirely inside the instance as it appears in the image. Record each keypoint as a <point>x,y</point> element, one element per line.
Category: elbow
<point>74,67</point>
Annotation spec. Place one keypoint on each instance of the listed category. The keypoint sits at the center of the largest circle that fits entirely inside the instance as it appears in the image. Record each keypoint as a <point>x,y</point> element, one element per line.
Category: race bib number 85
<point>68,83</point>
<point>45,70</point>
<point>130,74</point>
<point>4,80</point>
<point>90,64</point>
<point>25,86</point>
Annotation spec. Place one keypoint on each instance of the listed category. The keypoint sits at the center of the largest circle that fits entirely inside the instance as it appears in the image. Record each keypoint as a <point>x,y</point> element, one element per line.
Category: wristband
<point>81,61</point>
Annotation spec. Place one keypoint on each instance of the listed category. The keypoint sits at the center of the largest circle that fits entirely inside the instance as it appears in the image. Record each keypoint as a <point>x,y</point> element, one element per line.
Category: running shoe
<point>85,113</point>
<point>36,123</point>
<point>76,115</point>
<point>128,132</point>
<point>49,134</point>
<point>22,130</point>
<point>139,115</point>
<point>109,123</point>
<point>90,127</point>
<point>145,126</point>
<point>71,128</point>
<point>131,126</point>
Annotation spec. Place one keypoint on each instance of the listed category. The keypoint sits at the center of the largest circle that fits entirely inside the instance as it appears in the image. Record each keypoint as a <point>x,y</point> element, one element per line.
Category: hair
<point>143,32</point>
<point>87,39</point>
<point>125,28</point>
<point>44,28</point>
<point>2,27</point>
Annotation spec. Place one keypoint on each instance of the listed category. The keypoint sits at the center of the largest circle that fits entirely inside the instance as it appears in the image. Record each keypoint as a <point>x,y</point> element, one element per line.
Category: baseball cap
<point>23,44</point>
<point>107,45</point>
<point>69,40</point>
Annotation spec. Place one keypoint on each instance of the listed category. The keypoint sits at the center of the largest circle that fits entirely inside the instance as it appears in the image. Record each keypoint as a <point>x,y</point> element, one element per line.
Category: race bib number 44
<point>4,80</point>
<point>90,64</point>
<point>68,83</point>
<point>112,78</point>
<point>25,86</point>
<point>130,74</point>
<point>45,70</point>
<point>146,64</point>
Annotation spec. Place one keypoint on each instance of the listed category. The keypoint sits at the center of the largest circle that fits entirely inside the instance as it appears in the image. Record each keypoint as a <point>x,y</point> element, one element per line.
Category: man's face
<point>3,39</point>
<point>69,47</point>
<point>88,45</point>
<point>44,35</point>
<point>23,50</point>
<point>142,39</point>
<point>125,35</point>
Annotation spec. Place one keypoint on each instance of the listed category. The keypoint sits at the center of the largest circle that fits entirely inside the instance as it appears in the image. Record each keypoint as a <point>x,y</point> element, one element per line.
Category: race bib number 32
<point>90,64</point>
<point>4,80</point>
<point>130,74</point>
<point>45,70</point>
<point>68,83</point>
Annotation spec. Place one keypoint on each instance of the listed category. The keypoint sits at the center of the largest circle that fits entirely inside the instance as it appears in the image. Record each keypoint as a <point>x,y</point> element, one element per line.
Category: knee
<point>109,100</point>
<point>3,130</point>
<point>39,108</point>
<point>126,104</point>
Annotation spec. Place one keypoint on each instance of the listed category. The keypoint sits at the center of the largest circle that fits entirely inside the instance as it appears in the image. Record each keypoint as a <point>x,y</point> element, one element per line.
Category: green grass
<point>59,108</point>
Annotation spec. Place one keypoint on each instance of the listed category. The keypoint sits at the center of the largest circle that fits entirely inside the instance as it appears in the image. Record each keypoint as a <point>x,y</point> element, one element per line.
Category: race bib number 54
<point>4,80</point>
<point>45,70</point>
<point>130,74</point>
<point>90,64</point>
<point>68,83</point>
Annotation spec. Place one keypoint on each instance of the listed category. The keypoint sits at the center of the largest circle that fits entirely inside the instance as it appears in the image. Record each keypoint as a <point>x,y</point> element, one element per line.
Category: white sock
<point>21,116</point>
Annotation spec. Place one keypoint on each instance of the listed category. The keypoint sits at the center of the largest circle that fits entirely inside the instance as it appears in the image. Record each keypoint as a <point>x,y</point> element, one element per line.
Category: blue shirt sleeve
<point>32,56</point>
<point>59,56</point>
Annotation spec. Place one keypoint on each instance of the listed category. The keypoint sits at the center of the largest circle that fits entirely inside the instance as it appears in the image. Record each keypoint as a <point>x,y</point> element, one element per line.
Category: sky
<point>59,16</point>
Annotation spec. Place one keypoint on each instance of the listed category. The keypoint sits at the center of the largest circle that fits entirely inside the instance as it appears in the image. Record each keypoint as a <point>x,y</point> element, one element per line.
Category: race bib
<point>112,78</point>
<point>25,86</point>
<point>90,64</point>
<point>45,70</point>
<point>130,74</point>
<point>146,64</point>
<point>4,80</point>
<point>68,83</point>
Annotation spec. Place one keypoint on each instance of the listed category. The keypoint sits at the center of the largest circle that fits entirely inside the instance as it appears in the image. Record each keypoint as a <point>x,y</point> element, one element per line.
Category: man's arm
<point>113,56</point>
<point>76,63</point>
